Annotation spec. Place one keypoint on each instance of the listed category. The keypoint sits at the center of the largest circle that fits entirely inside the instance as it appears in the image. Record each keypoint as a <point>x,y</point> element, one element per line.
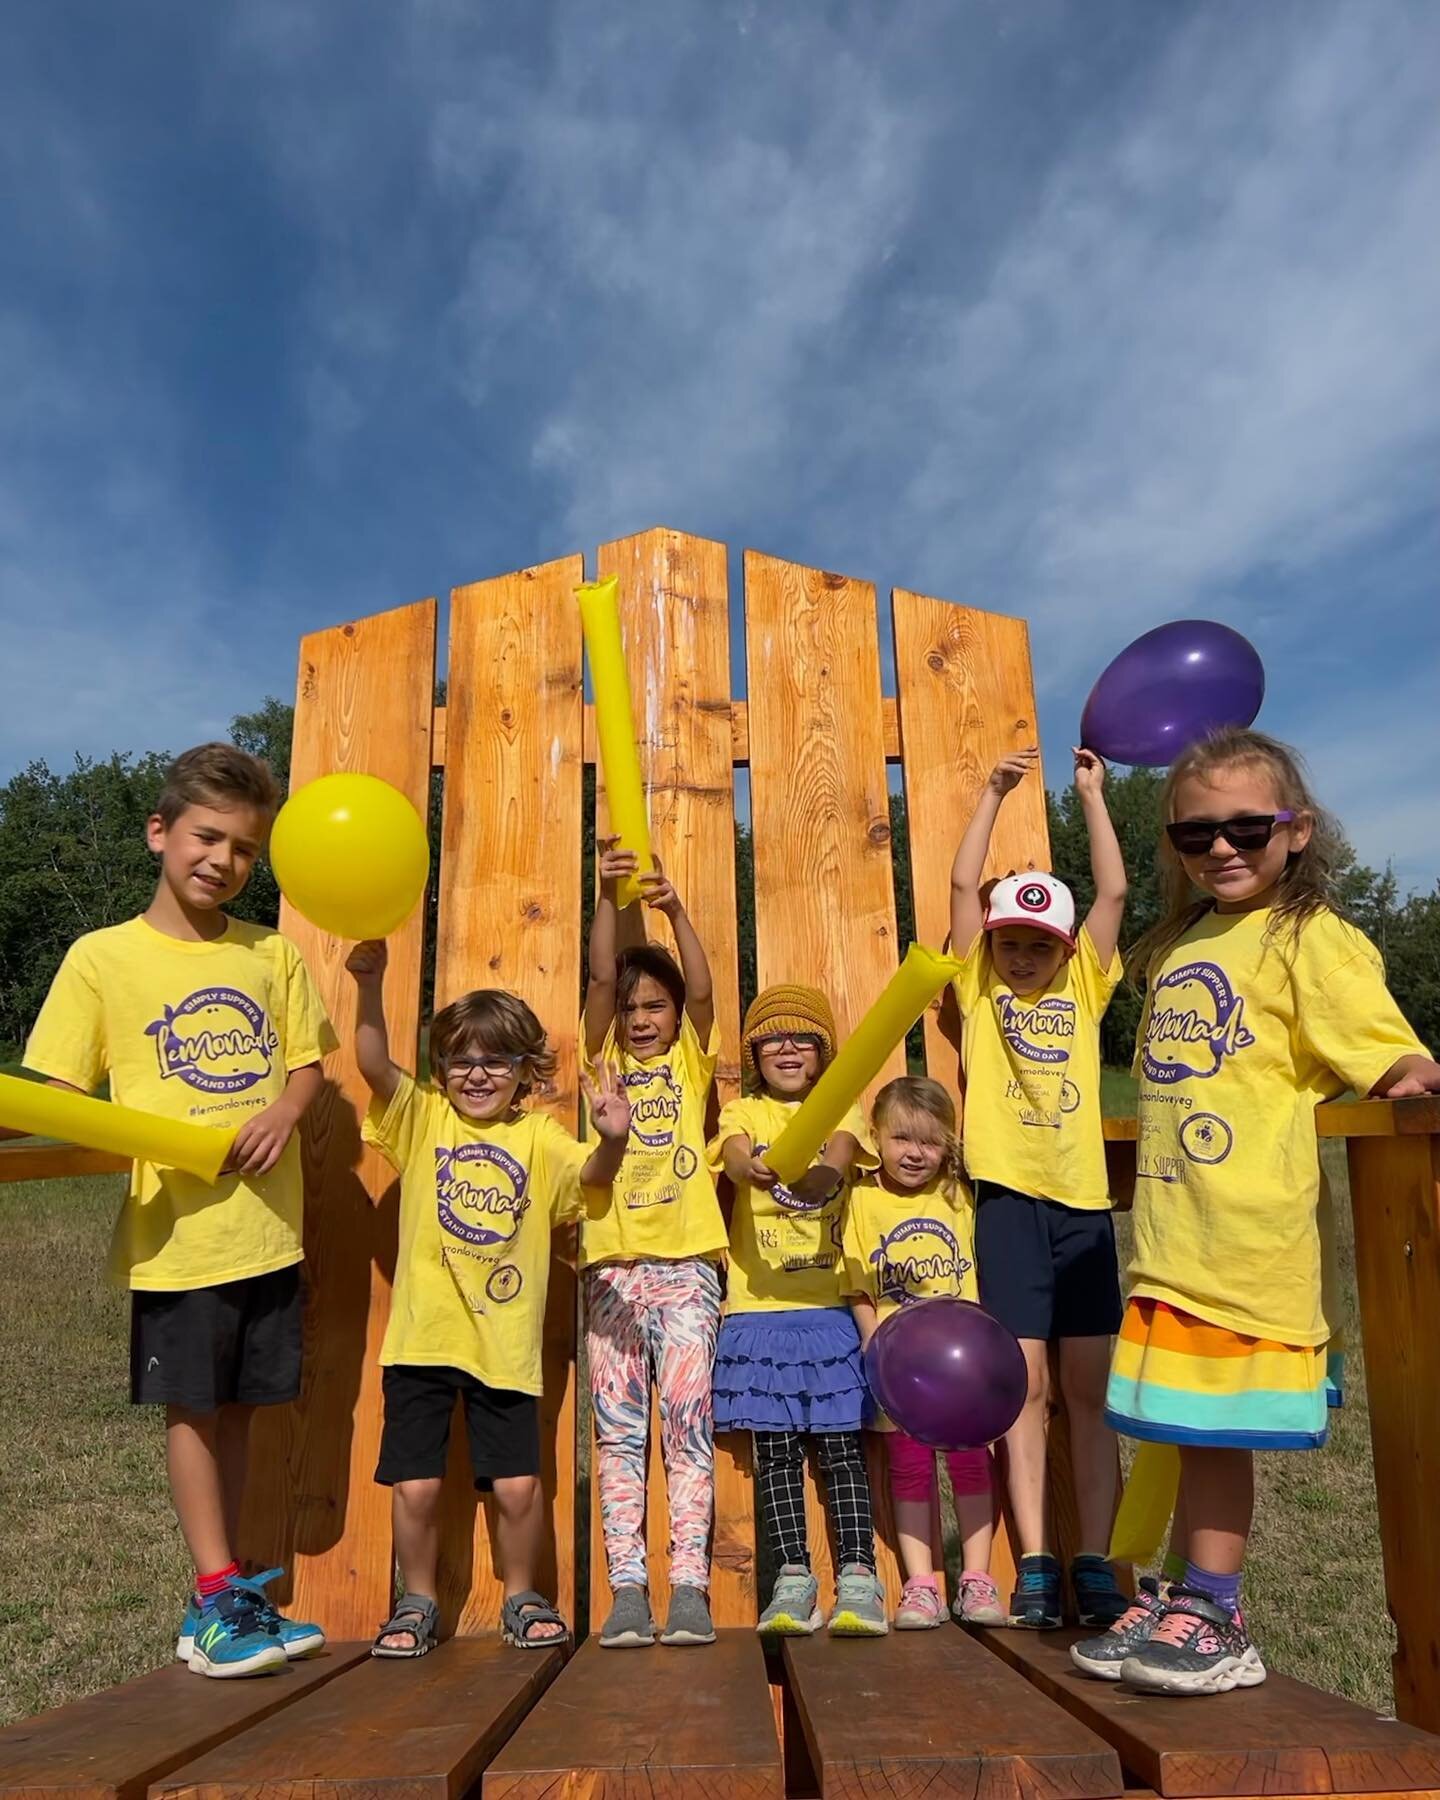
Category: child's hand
<point>760,1174</point>
<point>1420,1076</point>
<point>260,1142</point>
<point>1011,770</point>
<point>366,962</point>
<point>1089,773</point>
<point>605,1097</point>
<point>615,864</point>
<point>817,1185</point>
<point>657,891</point>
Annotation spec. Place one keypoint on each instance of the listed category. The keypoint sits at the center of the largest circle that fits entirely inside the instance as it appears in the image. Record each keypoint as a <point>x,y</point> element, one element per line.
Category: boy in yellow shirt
<point>1032,994</point>
<point>483,1182</point>
<point>197,1016</point>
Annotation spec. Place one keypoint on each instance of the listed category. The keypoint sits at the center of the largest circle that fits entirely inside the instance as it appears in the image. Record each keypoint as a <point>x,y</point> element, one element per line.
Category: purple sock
<point>1224,1590</point>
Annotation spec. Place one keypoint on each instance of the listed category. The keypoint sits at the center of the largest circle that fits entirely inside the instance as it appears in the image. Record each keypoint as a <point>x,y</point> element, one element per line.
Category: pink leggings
<point>912,1469</point>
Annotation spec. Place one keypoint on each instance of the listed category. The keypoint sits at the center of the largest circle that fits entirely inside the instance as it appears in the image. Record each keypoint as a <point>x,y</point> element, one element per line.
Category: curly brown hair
<point>217,775</point>
<point>912,1094</point>
<point>1307,884</point>
<point>491,1021</point>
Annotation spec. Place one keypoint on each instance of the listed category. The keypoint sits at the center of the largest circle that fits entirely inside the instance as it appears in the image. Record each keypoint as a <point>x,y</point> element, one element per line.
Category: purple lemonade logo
<point>217,1040</point>
<point>1042,1032</point>
<point>915,1256</point>
<point>1196,1020</point>
<point>481,1193</point>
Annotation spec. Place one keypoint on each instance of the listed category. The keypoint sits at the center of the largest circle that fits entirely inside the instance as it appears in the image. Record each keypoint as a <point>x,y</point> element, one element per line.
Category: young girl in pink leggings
<point>910,1235</point>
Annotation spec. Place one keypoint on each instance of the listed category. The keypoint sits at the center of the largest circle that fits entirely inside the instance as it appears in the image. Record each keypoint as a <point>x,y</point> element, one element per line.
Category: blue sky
<point>1104,313</point>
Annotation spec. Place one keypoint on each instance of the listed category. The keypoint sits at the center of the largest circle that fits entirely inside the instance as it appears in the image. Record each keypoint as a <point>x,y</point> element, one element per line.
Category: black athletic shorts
<point>234,1344</point>
<point>503,1427</point>
<point>1046,1270</point>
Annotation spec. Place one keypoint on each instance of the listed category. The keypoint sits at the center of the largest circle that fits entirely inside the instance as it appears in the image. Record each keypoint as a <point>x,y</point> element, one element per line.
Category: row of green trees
<point>73,858</point>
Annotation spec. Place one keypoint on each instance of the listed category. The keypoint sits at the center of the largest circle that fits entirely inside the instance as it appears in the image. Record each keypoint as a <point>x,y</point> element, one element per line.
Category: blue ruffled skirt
<point>789,1371</point>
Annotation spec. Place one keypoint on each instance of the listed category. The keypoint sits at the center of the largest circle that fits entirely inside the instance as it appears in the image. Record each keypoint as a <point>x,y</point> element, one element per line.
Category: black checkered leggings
<point>780,1475</point>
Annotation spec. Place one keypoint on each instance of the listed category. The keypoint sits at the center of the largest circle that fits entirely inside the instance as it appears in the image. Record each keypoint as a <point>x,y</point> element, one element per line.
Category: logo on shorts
<point>686,1162</point>
<point>1041,1033</point>
<point>654,1096</point>
<point>1196,1020</point>
<point>1206,1138</point>
<point>217,1040</point>
<point>482,1193</point>
<point>504,1283</point>
<point>917,1257</point>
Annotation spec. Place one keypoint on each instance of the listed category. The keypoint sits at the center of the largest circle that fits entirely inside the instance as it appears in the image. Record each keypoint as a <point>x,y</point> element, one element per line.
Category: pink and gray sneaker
<point>1102,1656</point>
<point>1197,1648</point>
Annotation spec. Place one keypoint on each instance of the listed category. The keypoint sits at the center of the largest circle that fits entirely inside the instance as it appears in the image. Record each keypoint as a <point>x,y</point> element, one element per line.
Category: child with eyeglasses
<point>483,1181</point>
<point>1261,1002</point>
<point>788,1365</point>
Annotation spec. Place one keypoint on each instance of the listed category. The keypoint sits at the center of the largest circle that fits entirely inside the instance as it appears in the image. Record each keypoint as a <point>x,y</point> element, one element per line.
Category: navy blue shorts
<point>1046,1270</point>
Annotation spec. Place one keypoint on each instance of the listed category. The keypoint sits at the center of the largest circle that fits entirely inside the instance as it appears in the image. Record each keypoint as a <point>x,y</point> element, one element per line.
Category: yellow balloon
<point>615,728</point>
<point>350,854</point>
<point>909,991</point>
<point>99,1125</point>
<point>1147,1504</point>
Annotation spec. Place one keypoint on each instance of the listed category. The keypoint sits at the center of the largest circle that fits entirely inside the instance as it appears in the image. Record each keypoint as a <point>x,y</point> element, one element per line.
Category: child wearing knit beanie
<point>787,1367</point>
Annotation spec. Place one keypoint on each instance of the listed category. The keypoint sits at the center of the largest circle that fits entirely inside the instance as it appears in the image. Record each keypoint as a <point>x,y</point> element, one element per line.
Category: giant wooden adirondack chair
<point>944,1712</point>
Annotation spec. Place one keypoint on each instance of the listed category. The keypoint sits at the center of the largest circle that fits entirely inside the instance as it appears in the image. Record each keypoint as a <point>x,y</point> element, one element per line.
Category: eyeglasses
<point>797,1040</point>
<point>1251,831</point>
<point>493,1068</point>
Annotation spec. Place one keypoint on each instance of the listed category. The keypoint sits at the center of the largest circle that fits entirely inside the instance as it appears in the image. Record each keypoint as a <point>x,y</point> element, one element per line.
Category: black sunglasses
<point>1251,831</point>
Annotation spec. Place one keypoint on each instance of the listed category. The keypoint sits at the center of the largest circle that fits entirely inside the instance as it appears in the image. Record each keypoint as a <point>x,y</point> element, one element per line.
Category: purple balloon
<point>947,1373</point>
<point>1168,689</point>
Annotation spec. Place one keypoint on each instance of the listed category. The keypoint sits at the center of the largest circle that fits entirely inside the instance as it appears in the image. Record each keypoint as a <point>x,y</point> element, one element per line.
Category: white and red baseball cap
<point>1033,898</point>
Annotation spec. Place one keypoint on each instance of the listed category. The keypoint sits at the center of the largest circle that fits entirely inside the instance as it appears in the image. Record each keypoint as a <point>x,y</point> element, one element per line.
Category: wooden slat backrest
<point>364,702</point>
<point>674,610</point>
<point>824,886</point>
<point>509,918</point>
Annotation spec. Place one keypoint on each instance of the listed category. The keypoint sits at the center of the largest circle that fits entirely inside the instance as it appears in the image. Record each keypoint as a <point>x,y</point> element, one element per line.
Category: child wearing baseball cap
<point>1032,994</point>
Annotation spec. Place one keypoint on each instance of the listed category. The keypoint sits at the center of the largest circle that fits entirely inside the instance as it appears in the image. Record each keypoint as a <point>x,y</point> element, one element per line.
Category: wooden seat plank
<point>113,1745</point>
<point>933,1713</point>
<point>658,1723</point>
<point>1280,1738</point>
<point>421,1730</point>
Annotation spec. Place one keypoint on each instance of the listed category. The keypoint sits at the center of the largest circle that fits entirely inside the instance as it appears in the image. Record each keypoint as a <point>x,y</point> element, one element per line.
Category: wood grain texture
<point>43,1162</point>
<point>113,1745</point>
<point>1395,1200</point>
<point>509,918</point>
<point>934,1713</point>
<point>618,1725</point>
<point>824,888</point>
<point>1280,1738</point>
<point>421,1730</point>
<point>363,703</point>
<point>674,616</point>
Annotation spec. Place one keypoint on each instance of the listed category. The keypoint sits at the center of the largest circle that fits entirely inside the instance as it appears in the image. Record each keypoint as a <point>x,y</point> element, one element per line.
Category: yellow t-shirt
<point>208,1033</point>
<point>784,1254</point>
<point>901,1247</point>
<point>1032,1077</point>
<point>1240,1041</point>
<point>663,1203</point>
<point>477,1206</point>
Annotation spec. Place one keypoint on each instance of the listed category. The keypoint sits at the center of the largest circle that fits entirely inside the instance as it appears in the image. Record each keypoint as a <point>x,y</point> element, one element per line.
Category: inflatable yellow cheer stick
<point>98,1125</point>
<point>1147,1504</point>
<point>909,991</point>
<point>615,728</point>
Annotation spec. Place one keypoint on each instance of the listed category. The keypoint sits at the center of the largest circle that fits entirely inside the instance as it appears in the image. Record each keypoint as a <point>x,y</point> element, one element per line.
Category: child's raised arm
<point>660,893</point>
<point>967,914</point>
<point>610,1115</point>
<point>603,970</point>
<point>1107,865</point>
<point>366,962</point>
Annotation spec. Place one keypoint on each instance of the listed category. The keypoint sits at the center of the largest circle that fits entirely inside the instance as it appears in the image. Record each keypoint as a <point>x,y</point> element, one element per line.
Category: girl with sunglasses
<point>1262,1002</point>
<point>788,1365</point>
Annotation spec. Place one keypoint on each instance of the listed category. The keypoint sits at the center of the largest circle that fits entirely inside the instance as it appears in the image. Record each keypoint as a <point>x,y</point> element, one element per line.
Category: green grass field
<point>93,1571</point>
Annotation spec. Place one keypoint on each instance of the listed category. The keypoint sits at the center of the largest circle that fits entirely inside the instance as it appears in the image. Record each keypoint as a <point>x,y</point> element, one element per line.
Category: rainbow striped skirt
<point>1176,1379</point>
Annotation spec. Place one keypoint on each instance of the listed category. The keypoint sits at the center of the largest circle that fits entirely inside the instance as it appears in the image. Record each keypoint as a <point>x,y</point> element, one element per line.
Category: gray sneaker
<point>1102,1656</point>
<point>689,1621</point>
<point>629,1626</point>
<point>859,1604</point>
<point>794,1609</point>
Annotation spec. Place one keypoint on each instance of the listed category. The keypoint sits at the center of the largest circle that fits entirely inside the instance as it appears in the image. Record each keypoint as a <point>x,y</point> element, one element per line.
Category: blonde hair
<point>911,1094</point>
<point>216,775</point>
<point>489,1019</point>
<point>1307,884</point>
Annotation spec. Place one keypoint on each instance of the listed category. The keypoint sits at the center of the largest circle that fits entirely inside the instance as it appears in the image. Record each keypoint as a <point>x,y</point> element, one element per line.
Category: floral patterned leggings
<point>642,1319</point>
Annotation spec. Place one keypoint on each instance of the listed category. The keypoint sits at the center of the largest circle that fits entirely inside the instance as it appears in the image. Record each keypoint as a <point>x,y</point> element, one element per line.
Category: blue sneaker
<point>296,1639</point>
<point>1098,1601</point>
<point>1035,1602</point>
<point>228,1638</point>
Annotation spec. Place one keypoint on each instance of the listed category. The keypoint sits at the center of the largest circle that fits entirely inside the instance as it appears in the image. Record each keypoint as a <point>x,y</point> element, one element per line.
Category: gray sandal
<point>519,1616</point>
<point>630,1626</point>
<point>416,1614</point>
<point>689,1620</point>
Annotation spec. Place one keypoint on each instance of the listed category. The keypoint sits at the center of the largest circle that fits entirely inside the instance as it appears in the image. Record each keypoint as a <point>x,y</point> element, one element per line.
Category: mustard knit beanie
<point>787,1007</point>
